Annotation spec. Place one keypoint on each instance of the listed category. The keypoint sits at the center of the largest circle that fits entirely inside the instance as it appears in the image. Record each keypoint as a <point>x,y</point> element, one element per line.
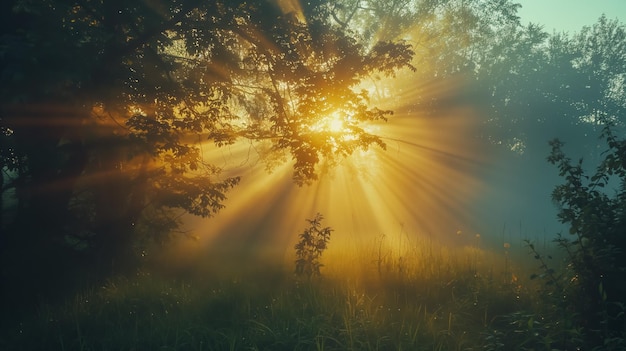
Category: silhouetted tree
<point>105,107</point>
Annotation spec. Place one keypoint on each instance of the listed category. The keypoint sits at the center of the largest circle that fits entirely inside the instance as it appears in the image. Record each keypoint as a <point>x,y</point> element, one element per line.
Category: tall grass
<point>423,296</point>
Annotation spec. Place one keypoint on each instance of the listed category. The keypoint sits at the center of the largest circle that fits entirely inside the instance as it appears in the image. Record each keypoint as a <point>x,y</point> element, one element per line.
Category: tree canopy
<point>105,107</point>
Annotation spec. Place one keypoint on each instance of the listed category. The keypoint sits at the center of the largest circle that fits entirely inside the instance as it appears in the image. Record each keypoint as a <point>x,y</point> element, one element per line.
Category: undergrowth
<point>435,299</point>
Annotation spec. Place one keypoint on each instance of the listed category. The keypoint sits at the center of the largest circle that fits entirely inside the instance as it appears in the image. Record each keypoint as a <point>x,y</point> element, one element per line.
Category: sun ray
<point>422,186</point>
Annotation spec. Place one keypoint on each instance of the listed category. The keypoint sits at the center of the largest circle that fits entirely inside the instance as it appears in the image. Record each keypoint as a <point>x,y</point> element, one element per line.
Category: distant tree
<point>529,85</point>
<point>379,20</point>
<point>105,107</point>
<point>542,86</point>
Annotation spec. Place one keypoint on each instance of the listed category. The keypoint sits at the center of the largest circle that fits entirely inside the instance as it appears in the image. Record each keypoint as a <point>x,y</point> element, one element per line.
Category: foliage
<point>590,291</point>
<point>312,244</point>
<point>581,303</point>
<point>106,109</point>
<point>530,85</point>
<point>535,86</point>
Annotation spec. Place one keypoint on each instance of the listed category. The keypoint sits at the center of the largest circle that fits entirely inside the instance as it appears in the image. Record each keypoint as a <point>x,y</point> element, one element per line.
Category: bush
<point>313,242</point>
<point>595,279</point>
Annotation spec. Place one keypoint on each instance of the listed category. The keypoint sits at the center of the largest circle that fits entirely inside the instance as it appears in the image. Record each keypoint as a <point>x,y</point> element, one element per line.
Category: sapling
<point>313,242</point>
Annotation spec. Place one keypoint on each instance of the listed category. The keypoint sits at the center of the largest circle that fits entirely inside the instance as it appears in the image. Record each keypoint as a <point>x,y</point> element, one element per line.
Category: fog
<point>438,179</point>
<point>111,158</point>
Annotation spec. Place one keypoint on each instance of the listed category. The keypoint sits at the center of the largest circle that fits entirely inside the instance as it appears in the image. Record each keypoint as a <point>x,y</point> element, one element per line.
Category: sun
<point>339,125</point>
<point>334,123</point>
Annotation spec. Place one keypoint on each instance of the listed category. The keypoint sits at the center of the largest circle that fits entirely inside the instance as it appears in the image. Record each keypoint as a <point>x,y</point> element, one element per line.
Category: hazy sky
<point>570,15</point>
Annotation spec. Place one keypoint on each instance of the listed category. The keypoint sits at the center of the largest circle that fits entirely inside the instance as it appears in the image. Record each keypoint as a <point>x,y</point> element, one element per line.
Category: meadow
<point>428,297</point>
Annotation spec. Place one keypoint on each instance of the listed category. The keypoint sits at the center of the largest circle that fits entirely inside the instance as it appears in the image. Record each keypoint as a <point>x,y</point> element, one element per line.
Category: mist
<point>351,175</point>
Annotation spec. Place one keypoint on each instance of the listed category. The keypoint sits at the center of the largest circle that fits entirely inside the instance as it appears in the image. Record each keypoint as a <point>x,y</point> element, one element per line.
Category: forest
<point>309,175</point>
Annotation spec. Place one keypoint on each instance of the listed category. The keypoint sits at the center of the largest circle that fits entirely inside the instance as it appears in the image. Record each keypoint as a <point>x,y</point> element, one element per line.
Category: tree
<point>542,86</point>
<point>106,106</point>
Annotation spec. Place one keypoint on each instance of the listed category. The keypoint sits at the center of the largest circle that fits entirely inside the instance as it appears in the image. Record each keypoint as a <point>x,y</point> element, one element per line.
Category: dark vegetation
<point>104,106</point>
<point>310,247</point>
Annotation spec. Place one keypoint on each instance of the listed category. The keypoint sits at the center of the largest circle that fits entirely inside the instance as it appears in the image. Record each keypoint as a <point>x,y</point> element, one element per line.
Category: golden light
<point>337,124</point>
<point>422,187</point>
<point>291,7</point>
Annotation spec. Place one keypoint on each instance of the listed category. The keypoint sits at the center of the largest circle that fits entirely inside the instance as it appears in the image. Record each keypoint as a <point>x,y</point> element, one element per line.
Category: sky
<point>570,15</point>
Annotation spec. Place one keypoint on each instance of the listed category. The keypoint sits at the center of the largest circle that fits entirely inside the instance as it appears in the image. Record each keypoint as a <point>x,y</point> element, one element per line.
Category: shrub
<point>596,266</point>
<point>313,242</point>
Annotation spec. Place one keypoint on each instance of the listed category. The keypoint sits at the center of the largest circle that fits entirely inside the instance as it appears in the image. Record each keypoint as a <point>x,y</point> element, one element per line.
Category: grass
<point>430,297</point>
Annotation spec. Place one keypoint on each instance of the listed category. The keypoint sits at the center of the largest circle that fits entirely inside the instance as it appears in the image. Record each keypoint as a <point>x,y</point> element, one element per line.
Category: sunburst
<point>423,184</point>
